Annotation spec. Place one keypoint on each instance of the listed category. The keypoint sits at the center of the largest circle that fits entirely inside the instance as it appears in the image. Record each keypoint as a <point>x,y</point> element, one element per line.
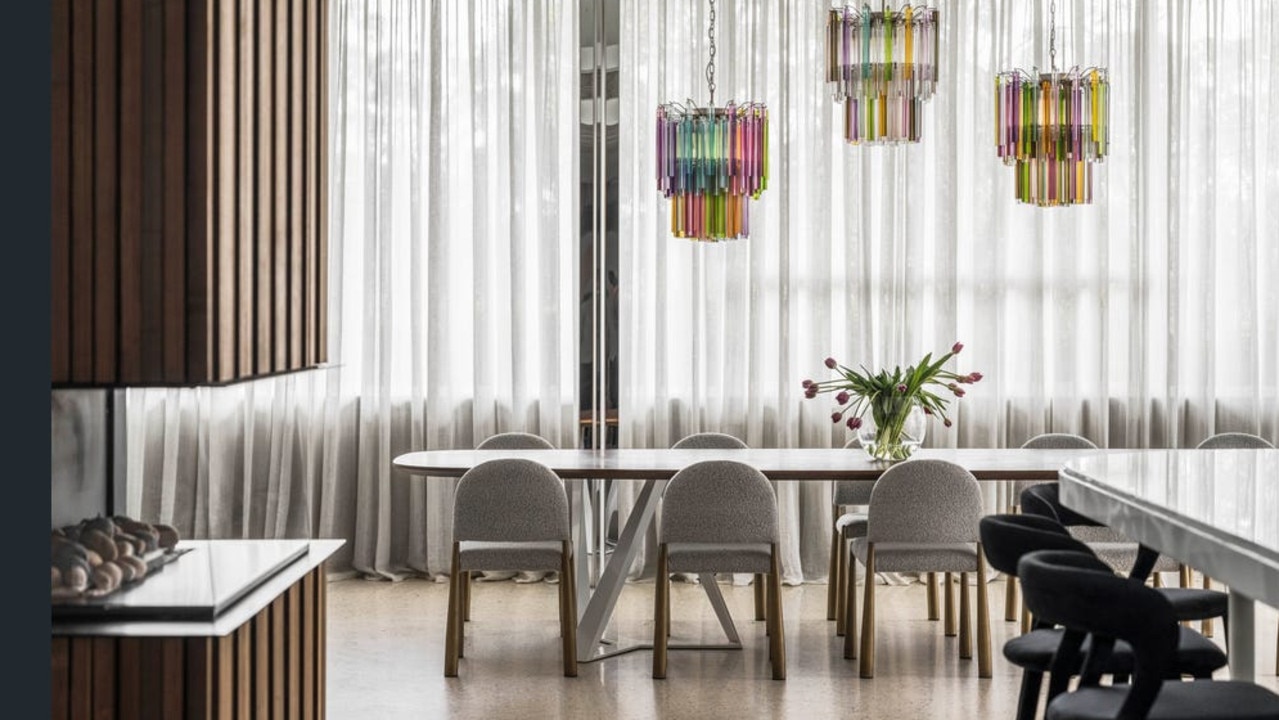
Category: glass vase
<point>892,434</point>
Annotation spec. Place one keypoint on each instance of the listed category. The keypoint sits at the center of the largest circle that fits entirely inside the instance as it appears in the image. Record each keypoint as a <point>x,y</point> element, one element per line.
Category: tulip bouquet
<point>896,399</point>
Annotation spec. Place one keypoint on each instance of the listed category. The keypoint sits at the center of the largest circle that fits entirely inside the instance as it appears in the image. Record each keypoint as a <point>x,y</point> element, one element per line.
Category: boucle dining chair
<point>923,517</point>
<point>723,441</point>
<point>1044,441</point>
<point>511,514</point>
<point>1077,591</point>
<point>502,441</point>
<point>849,525</point>
<point>1110,545</point>
<point>1234,441</point>
<point>718,516</point>
<point>1006,539</point>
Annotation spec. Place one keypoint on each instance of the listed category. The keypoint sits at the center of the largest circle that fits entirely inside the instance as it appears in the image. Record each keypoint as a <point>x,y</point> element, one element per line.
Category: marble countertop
<point>1216,510</point>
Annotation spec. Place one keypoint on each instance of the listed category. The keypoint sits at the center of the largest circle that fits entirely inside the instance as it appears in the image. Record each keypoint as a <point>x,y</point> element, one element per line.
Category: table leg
<point>599,608</point>
<point>1241,643</point>
<point>711,586</point>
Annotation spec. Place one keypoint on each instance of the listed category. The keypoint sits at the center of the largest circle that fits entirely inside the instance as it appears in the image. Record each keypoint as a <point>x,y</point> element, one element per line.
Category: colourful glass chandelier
<point>711,162</point>
<point>882,65</point>
<point>1052,127</point>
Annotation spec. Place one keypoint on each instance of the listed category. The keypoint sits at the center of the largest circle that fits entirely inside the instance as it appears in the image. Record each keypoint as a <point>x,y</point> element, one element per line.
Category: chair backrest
<point>1051,441</point>
<point>515,441</point>
<point>1081,593</point>
<point>709,441</point>
<point>925,501</point>
<point>1007,538</point>
<point>1044,499</point>
<point>1235,441</point>
<point>510,500</point>
<point>853,492</point>
<point>719,501</point>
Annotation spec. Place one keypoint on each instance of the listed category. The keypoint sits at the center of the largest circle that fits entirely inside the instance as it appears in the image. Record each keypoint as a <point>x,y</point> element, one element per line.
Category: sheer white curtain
<point>1148,319</point>
<point>454,303</point>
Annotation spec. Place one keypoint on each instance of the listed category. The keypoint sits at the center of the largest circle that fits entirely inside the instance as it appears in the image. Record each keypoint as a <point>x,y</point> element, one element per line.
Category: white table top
<point>1215,510</point>
<point>776,463</point>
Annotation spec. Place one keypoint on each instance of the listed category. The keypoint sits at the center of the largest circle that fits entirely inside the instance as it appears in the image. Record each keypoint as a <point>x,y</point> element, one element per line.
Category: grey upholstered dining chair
<point>1110,545</point>
<point>510,514</point>
<point>724,441</point>
<point>1233,441</point>
<point>924,516</point>
<point>719,516</point>
<point>849,525</point>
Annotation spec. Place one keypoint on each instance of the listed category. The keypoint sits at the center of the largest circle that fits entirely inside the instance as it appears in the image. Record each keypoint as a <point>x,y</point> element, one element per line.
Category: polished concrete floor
<point>386,653</point>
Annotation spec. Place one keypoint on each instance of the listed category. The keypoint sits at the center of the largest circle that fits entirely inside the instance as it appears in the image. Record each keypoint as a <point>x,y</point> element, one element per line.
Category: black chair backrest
<point>1081,593</point>
<point>1006,538</point>
<point>1044,500</point>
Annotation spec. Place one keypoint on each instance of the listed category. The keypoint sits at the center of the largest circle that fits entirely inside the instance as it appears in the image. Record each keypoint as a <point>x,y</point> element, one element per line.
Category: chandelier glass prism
<point>1052,127</point>
<point>711,161</point>
<point>882,65</point>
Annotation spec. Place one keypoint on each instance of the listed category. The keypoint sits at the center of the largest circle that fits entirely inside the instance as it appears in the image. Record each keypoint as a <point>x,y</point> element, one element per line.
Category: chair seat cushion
<point>1196,654</point>
<point>1122,555</point>
<point>912,557</point>
<point>1195,603</point>
<point>716,557</point>
<point>852,525</point>
<point>486,555</point>
<point>1177,700</point>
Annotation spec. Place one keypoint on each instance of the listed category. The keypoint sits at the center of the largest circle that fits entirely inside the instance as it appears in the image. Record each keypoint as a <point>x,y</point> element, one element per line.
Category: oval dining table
<point>654,466</point>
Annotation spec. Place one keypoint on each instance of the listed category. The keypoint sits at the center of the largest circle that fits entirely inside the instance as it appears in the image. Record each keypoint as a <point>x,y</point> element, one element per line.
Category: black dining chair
<point>1009,537</point>
<point>1190,603</point>
<point>1081,593</point>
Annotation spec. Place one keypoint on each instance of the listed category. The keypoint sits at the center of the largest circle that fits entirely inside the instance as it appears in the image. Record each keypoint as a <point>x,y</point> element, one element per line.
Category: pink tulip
<point>842,397</point>
<point>951,386</point>
<point>948,423</point>
<point>836,417</point>
<point>959,392</point>
<point>811,392</point>
<point>854,423</point>
<point>830,363</point>
<point>902,388</point>
<point>954,349</point>
<point>806,383</point>
<point>974,376</point>
<point>928,410</point>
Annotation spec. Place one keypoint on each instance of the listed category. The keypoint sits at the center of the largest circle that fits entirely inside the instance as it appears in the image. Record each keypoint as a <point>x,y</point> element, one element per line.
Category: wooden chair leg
<point>983,618</point>
<point>850,608</point>
<point>1206,628</point>
<point>451,623</point>
<point>760,601</point>
<point>777,639</point>
<point>1025,619</point>
<point>844,588</point>
<point>965,618</point>
<point>932,597</point>
<point>832,577</point>
<point>467,579</point>
<point>568,609</point>
<point>868,617</point>
<point>948,592</point>
<point>661,611</point>
<point>1010,598</point>
<point>1158,579</point>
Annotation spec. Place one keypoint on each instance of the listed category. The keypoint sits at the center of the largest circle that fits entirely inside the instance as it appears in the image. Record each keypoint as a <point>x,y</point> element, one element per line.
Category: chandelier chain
<point>710,66</point>
<point>1052,35</point>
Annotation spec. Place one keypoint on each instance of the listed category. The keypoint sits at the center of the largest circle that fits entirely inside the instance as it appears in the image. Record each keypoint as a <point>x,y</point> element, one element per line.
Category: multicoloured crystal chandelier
<point>712,161</point>
<point>882,65</point>
<point>1052,127</point>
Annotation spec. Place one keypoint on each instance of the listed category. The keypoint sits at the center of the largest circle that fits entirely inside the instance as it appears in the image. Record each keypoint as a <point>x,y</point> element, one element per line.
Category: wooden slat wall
<point>271,668</point>
<point>189,190</point>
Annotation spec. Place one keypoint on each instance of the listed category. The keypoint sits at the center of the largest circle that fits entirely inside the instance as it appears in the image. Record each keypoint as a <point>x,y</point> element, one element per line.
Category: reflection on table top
<point>776,463</point>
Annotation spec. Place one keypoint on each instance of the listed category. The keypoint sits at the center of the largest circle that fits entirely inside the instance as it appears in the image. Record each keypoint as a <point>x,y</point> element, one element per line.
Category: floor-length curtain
<point>1147,319</point>
<point>453,128</point>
